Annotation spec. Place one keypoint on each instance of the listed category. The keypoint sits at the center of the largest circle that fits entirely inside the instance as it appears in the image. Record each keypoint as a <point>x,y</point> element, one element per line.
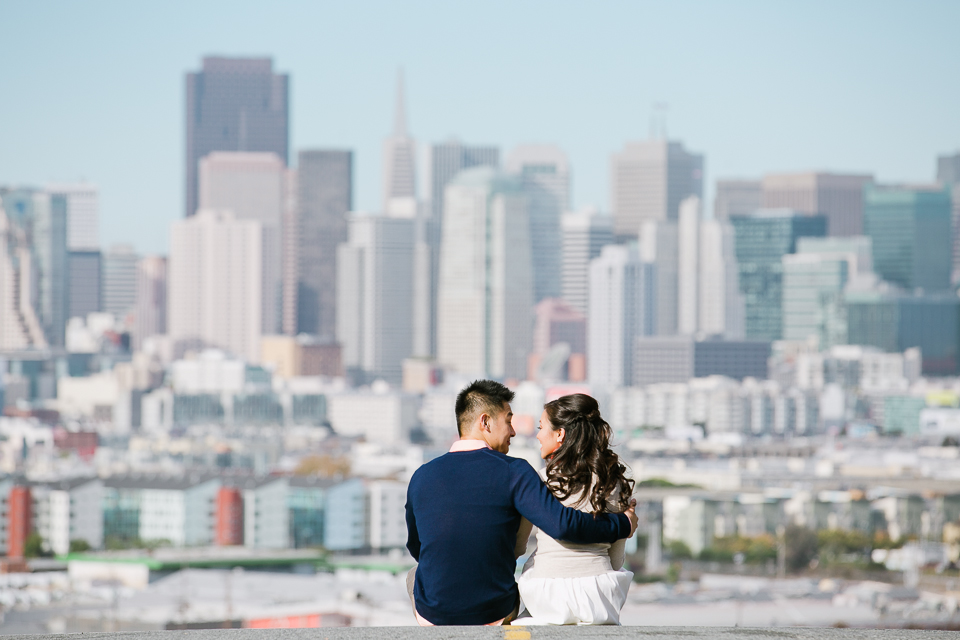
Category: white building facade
<point>375,295</point>
<point>215,284</point>
<point>485,299</point>
<point>254,186</point>
<point>585,233</point>
<point>622,308</point>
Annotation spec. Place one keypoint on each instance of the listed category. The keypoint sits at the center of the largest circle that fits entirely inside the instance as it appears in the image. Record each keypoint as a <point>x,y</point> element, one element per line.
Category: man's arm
<point>537,504</point>
<point>413,536</point>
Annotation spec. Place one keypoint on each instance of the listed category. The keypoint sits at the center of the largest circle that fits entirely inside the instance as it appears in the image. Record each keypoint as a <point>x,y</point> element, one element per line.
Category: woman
<point>565,583</point>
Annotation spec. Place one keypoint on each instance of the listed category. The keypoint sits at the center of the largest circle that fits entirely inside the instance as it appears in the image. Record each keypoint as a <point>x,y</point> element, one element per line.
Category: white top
<point>561,559</point>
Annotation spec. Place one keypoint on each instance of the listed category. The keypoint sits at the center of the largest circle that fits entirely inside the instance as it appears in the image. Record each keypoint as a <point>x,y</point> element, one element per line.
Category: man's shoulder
<point>450,461</point>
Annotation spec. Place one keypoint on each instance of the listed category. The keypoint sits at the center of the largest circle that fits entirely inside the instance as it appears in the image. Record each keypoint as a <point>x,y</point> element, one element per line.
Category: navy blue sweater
<point>463,513</point>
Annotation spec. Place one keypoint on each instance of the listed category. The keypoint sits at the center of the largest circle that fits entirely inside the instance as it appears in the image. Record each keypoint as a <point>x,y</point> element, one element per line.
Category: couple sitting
<point>470,511</point>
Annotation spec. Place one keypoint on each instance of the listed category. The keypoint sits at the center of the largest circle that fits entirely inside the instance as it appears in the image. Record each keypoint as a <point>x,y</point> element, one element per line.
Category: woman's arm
<point>617,554</point>
<point>523,536</point>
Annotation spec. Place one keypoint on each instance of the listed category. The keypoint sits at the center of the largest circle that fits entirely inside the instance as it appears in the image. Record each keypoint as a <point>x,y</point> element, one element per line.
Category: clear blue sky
<point>94,90</point>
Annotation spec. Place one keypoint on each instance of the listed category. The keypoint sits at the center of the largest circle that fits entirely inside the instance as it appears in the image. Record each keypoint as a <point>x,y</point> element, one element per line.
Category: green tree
<point>802,547</point>
<point>79,546</point>
<point>679,550</point>
<point>33,547</point>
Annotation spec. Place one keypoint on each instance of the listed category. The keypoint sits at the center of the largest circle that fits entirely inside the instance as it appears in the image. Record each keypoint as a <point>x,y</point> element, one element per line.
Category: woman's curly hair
<point>585,454</point>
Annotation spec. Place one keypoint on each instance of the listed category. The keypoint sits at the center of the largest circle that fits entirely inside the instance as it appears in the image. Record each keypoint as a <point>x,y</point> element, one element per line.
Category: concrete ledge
<point>513,633</point>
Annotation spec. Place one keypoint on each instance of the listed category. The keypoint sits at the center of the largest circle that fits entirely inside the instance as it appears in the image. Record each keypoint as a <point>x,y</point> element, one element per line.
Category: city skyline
<point>832,107</point>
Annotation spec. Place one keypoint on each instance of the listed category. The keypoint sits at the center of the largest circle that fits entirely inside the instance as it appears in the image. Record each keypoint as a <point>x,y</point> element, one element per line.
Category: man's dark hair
<point>481,396</point>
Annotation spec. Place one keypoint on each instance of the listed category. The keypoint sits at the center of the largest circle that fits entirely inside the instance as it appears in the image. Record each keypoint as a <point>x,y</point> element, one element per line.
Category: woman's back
<point>561,559</point>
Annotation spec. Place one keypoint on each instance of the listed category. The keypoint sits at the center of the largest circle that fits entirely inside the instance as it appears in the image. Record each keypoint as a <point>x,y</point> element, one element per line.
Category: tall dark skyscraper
<point>234,104</point>
<point>325,195</point>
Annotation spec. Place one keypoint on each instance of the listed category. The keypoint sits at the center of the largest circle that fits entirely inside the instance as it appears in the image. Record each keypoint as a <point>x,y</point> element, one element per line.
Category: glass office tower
<point>761,240</point>
<point>910,230</point>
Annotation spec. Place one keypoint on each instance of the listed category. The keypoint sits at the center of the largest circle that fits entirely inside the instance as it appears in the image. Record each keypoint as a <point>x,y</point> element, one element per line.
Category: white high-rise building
<point>215,279</point>
<point>648,180</point>
<point>622,308</point>
<point>688,266</point>
<point>119,280</point>
<point>485,297</point>
<point>399,162</point>
<point>83,215</point>
<point>254,186</point>
<point>544,173</point>
<point>698,286</point>
<point>441,163</point>
<point>659,245</point>
<point>375,295</point>
<point>721,305</point>
<point>585,233</point>
<point>150,314</point>
<point>708,292</point>
<point>20,327</point>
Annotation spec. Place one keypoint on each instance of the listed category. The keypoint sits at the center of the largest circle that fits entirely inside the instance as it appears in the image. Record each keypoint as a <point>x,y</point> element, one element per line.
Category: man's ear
<point>484,422</point>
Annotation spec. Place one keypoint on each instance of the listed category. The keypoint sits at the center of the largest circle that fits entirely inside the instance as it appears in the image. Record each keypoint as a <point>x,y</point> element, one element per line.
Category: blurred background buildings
<point>783,357</point>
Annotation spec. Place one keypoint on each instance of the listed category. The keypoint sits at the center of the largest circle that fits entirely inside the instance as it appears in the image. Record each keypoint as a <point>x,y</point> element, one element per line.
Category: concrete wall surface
<point>514,633</point>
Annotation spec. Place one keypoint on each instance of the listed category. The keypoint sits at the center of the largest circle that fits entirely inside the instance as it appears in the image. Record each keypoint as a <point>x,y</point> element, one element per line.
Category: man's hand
<point>631,513</point>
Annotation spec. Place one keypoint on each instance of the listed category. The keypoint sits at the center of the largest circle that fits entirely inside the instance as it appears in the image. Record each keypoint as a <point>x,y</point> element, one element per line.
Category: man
<point>464,509</point>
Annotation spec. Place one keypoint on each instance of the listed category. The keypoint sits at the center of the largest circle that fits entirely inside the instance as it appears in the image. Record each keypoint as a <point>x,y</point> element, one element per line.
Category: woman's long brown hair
<point>584,454</point>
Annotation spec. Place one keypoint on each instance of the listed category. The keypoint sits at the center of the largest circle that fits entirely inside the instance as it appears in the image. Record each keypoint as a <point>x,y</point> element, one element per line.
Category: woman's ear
<point>561,432</point>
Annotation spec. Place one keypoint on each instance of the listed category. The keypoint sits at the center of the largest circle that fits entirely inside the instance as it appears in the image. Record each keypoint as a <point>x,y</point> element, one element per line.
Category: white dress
<point>566,583</point>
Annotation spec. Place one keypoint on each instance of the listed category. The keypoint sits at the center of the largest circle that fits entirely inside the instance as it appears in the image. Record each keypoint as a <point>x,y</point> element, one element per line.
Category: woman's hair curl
<point>584,461</point>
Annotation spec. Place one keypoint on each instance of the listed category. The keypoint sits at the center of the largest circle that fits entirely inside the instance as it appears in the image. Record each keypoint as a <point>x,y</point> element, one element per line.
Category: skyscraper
<point>446,160</point>
<point>585,233</point>
<point>648,180</point>
<point>375,296</point>
<point>813,287</point>
<point>721,305</point>
<point>324,196</point>
<point>910,230</point>
<point>545,175</point>
<point>736,197</point>
<point>485,297</point>
<point>119,280</point>
<point>215,278</point>
<point>233,104</point>
<point>83,215</point>
<point>761,241</point>
<point>85,283</point>
<point>443,162</point>
<point>399,160</point>
<point>837,196</point>
<point>151,308</point>
<point>622,309</point>
<point>707,293</point>
<point>253,187</point>
<point>659,246</point>
<point>19,325</point>
<point>688,266</point>
<point>815,280</point>
<point>42,218</point>
<point>948,174</point>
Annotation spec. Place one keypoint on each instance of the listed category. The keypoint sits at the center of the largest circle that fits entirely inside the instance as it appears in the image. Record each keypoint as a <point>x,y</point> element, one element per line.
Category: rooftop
<point>517,633</point>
